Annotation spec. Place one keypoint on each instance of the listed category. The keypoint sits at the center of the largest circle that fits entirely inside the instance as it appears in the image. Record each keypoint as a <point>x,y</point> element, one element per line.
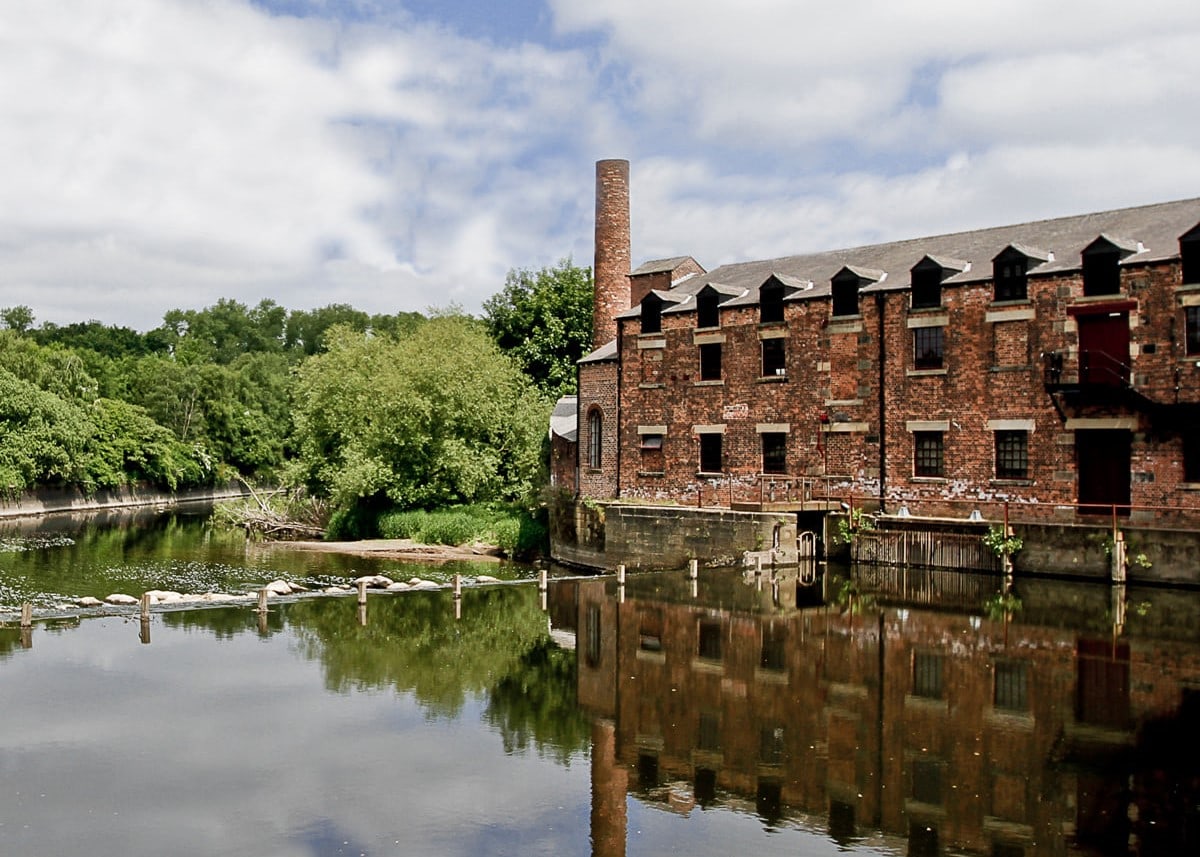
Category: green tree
<point>18,318</point>
<point>435,418</point>
<point>41,436</point>
<point>544,320</point>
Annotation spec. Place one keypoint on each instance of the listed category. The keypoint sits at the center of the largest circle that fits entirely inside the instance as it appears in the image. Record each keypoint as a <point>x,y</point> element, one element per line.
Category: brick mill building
<point>1050,368</point>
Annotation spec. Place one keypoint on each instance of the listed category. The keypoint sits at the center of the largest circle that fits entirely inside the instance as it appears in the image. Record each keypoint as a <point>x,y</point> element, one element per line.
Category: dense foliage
<point>371,413</point>
<point>435,418</point>
<point>544,320</point>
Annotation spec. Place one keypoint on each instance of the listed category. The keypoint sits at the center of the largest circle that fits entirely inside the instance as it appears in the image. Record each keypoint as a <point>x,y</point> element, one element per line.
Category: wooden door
<point>1104,349</point>
<point>1102,459</point>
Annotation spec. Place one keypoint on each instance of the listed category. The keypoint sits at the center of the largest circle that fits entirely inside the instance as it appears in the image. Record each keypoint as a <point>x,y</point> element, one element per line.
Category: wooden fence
<point>920,549</point>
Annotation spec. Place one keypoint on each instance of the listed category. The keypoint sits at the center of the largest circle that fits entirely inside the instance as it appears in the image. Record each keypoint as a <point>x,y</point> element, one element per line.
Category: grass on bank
<point>514,531</point>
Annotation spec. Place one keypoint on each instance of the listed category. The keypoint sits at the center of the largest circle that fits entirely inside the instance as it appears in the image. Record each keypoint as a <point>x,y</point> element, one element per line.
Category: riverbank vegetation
<point>431,423</point>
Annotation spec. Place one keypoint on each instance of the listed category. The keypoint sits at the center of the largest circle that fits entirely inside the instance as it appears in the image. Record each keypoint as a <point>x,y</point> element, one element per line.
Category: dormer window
<point>770,302</point>
<point>845,285</point>
<point>1102,266</point>
<point>708,308</point>
<point>1189,253</point>
<point>652,313</point>
<point>927,276</point>
<point>1010,274</point>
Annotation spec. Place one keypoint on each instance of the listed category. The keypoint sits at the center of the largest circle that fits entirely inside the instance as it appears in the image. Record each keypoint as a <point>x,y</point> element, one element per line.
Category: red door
<point>1104,349</point>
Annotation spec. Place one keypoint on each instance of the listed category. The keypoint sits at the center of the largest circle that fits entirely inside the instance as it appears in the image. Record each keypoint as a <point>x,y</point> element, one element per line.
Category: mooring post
<point>145,606</point>
<point>693,568</point>
<point>1119,558</point>
<point>26,616</point>
<point>262,600</point>
<point>621,574</point>
<point>543,580</point>
<point>758,566</point>
<point>458,586</point>
<point>362,593</point>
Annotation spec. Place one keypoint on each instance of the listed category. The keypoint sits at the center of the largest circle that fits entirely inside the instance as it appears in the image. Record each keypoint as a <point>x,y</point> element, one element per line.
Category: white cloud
<point>168,153</point>
<point>182,152</point>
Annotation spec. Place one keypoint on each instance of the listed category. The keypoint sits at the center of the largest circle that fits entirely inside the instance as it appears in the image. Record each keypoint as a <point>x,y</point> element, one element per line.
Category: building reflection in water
<point>917,711</point>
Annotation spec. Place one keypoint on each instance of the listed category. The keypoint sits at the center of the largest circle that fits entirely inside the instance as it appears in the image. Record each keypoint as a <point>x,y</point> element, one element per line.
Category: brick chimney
<point>611,268</point>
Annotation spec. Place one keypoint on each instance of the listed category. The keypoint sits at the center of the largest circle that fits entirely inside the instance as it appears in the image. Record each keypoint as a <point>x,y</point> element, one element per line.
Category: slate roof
<point>660,266</point>
<point>1156,229</point>
<point>608,351</point>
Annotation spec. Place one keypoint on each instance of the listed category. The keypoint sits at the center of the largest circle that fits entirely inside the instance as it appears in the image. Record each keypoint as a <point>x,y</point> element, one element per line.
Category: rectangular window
<point>710,453</point>
<point>1012,686</point>
<point>709,642</point>
<point>774,646</point>
<point>770,745</point>
<point>774,357</point>
<point>928,454</point>
<point>708,309</point>
<point>926,287</point>
<point>1012,283</point>
<point>927,781</point>
<point>652,452</point>
<point>774,452</point>
<point>927,347</point>
<point>592,635</point>
<point>650,631</point>
<point>927,675</point>
<point>1191,324</point>
<point>1012,454</point>
<point>709,737</point>
<point>710,361</point>
<point>1101,272</point>
<point>770,304</point>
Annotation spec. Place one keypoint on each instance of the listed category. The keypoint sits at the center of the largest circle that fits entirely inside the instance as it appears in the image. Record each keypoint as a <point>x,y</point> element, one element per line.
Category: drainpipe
<point>617,409</point>
<point>879,305</point>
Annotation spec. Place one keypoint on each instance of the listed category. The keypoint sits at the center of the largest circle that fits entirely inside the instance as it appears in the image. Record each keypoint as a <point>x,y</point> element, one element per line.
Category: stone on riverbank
<point>120,599</point>
<point>374,581</point>
<point>89,601</point>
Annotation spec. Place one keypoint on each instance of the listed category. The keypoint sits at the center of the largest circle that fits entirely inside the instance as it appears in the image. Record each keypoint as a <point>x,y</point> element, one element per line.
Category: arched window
<point>595,437</point>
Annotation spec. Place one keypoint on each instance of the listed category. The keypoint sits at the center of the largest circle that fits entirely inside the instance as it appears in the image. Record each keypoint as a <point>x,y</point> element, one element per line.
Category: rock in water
<point>120,598</point>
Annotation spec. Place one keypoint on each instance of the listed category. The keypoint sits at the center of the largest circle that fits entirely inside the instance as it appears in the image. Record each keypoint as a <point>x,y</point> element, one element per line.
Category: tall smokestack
<point>611,269</point>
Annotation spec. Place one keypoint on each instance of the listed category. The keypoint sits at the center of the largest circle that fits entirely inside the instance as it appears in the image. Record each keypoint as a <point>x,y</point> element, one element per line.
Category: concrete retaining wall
<point>46,501</point>
<point>664,536</point>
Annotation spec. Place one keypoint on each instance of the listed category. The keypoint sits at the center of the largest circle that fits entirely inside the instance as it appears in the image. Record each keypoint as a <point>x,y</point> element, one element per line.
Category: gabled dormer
<point>845,286</point>
<point>652,305</point>
<point>772,293</point>
<point>708,307</point>
<point>1189,253</point>
<point>1102,264</point>
<point>1010,271</point>
<point>927,278</point>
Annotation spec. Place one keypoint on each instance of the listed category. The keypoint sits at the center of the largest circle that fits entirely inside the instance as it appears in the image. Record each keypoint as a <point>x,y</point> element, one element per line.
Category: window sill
<point>720,382</point>
<point>1189,486</point>
<point>772,379</point>
<point>1026,368</point>
<point>926,373</point>
<point>594,470</point>
<point>710,474</point>
<point>1013,482</point>
<point>922,310</point>
<point>1011,303</point>
<point>930,480</point>
<point>651,386</point>
<point>651,473</point>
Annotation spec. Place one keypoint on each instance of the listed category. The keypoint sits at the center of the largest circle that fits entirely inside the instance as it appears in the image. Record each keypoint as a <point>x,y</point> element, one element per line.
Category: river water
<point>907,713</point>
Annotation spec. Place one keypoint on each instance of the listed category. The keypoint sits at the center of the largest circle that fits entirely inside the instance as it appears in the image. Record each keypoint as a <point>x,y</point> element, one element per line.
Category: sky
<point>401,155</point>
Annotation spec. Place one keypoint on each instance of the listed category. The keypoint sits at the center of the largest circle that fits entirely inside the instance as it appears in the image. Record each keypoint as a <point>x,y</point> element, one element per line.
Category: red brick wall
<point>829,400</point>
<point>598,392</point>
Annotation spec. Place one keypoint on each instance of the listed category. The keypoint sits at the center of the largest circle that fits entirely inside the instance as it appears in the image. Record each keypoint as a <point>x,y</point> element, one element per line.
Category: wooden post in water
<point>362,593</point>
<point>543,581</point>
<point>1119,558</point>
<point>262,601</point>
<point>26,616</point>
<point>694,569</point>
<point>145,605</point>
<point>621,574</point>
<point>457,583</point>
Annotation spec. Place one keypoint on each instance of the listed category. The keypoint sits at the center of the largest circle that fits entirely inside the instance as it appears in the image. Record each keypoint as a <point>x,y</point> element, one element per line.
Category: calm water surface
<point>735,717</point>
